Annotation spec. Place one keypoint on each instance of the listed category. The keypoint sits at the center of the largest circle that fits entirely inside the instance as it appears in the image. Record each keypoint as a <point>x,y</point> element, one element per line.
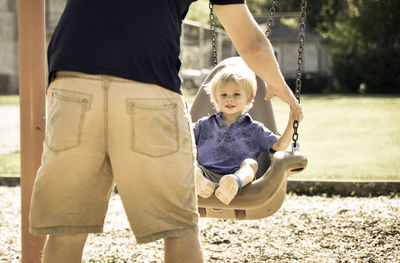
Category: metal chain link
<point>300,52</point>
<point>213,35</point>
<point>272,11</point>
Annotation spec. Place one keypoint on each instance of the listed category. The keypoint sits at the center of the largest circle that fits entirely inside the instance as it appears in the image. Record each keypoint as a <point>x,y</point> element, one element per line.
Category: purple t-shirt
<point>222,149</point>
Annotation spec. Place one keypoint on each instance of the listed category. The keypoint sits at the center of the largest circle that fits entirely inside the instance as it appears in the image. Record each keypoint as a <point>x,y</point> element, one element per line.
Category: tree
<point>364,35</point>
<point>199,11</point>
<point>366,46</point>
<point>365,39</point>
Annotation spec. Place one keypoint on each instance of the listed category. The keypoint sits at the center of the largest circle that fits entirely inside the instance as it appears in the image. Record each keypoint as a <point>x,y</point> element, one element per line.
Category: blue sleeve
<point>226,2</point>
<point>266,139</point>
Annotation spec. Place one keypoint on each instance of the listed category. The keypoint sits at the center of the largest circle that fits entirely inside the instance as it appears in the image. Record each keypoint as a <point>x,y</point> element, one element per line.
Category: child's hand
<point>297,115</point>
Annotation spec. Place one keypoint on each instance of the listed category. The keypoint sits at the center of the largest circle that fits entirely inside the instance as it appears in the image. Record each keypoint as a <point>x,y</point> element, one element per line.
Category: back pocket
<point>154,128</point>
<point>66,115</point>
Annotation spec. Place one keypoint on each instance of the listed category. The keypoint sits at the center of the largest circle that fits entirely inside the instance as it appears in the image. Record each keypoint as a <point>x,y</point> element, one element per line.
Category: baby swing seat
<point>265,195</point>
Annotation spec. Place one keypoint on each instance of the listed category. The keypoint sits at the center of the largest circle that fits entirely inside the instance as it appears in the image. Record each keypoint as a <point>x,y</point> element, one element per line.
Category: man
<point>115,113</point>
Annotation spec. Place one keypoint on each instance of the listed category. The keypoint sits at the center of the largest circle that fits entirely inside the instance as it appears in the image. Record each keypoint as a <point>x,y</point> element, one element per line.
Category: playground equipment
<point>264,196</point>
<point>32,85</point>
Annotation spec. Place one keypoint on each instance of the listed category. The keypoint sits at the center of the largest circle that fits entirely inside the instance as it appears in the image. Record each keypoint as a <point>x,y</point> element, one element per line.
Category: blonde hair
<point>241,75</point>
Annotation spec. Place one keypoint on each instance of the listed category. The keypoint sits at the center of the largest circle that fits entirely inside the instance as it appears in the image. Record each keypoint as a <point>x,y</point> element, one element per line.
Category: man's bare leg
<point>184,249</point>
<point>64,248</point>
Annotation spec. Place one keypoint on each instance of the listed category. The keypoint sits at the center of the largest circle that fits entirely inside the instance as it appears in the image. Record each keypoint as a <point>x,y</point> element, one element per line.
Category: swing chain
<point>271,15</point>
<point>213,35</point>
<point>300,51</point>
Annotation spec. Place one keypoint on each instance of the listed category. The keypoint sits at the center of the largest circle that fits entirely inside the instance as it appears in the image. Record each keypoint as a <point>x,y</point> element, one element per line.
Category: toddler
<point>230,141</point>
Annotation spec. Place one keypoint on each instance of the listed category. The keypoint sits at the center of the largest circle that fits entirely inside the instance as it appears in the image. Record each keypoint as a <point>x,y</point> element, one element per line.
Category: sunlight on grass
<point>9,163</point>
<point>348,137</point>
<point>9,100</point>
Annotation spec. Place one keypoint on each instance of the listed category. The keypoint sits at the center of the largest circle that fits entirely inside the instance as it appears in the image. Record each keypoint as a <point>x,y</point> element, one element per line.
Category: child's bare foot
<point>205,188</point>
<point>229,186</point>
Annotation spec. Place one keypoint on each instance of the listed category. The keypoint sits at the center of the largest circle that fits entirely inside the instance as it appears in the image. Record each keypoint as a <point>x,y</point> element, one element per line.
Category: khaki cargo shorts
<point>102,130</point>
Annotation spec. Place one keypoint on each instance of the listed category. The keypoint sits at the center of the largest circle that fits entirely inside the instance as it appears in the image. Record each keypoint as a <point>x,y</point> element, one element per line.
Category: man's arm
<point>256,50</point>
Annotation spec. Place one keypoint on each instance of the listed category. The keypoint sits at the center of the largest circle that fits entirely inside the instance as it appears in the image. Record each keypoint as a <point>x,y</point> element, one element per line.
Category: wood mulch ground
<point>305,229</point>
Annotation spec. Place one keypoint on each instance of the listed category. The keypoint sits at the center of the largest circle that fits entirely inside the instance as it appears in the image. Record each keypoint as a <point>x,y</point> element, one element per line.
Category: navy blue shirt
<point>222,149</point>
<point>137,40</point>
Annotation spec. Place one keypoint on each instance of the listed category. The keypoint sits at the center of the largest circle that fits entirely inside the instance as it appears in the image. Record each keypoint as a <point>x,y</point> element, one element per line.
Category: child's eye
<point>236,94</point>
<point>222,95</point>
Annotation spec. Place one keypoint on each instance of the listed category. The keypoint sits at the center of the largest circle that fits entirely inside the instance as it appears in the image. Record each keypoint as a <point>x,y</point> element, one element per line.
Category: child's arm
<point>283,142</point>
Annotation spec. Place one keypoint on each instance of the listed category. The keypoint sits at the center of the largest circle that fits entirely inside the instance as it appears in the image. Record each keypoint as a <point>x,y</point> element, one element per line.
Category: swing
<point>265,195</point>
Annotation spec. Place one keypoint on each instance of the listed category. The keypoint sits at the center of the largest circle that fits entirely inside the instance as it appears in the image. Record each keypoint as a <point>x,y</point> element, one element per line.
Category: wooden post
<point>32,84</point>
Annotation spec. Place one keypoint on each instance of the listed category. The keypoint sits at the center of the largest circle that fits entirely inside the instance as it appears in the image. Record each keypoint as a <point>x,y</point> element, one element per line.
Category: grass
<point>9,163</point>
<point>344,137</point>
<point>348,137</point>
<point>9,100</point>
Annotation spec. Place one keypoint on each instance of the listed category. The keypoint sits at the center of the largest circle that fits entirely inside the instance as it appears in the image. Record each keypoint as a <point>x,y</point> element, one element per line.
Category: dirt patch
<point>305,229</point>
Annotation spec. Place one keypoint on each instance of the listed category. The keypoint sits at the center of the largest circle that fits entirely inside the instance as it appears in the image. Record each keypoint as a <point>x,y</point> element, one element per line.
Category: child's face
<point>231,98</point>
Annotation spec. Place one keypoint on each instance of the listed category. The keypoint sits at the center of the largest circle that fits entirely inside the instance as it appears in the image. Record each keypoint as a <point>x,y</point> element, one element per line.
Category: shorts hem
<point>65,230</point>
<point>165,234</point>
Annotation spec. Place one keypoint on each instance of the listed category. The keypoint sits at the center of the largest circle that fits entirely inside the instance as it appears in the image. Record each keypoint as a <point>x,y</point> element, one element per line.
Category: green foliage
<point>199,11</point>
<point>365,44</point>
<point>259,7</point>
<point>291,22</point>
<point>262,7</point>
<point>365,40</point>
<point>10,163</point>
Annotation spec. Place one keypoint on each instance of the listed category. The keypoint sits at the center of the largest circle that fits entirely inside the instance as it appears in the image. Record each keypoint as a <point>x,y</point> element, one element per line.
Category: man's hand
<point>286,95</point>
<point>297,115</point>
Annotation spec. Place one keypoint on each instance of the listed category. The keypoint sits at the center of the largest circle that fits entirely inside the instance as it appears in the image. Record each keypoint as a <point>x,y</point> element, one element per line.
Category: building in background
<point>9,80</point>
<point>317,74</point>
<point>196,52</point>
<point>8,47</point>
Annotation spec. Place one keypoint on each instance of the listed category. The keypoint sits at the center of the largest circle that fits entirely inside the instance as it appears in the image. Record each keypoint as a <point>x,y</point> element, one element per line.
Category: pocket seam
<point>131,104</point>
<point>87,98</point>
<point>85,104</point>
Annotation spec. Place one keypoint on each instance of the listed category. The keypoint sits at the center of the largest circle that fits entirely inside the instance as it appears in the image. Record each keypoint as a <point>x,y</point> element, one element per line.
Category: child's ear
<point>250,99</point>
